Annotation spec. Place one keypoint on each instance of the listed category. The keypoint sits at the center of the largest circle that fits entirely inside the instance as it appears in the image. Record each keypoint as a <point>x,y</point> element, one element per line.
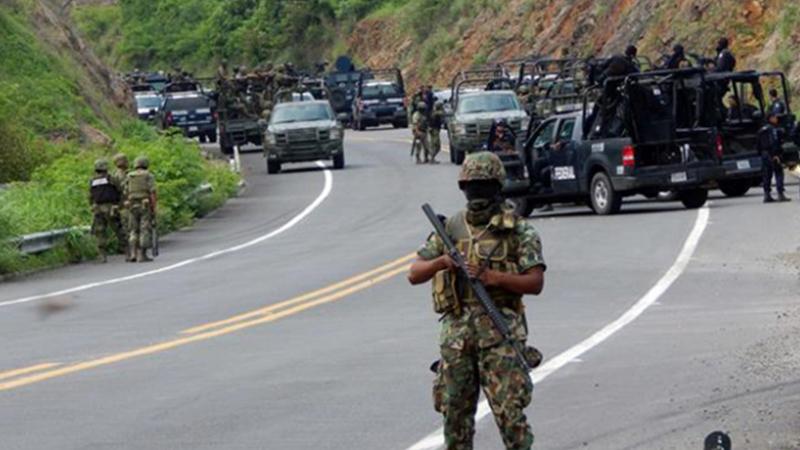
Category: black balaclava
<point>483,200</point>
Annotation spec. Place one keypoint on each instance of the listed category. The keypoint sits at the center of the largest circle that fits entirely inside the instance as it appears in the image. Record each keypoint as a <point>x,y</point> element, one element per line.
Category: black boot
<point>783,198</point>
<point>768,198</point>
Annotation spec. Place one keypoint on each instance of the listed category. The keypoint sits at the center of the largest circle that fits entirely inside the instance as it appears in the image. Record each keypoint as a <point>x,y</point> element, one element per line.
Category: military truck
<point>625,144</point>
<point>739,122</point>
<point>342,83</point>
<point>303,131</point>
<point>477,101</point>
<point>240,106</point>
<point>380,98</point>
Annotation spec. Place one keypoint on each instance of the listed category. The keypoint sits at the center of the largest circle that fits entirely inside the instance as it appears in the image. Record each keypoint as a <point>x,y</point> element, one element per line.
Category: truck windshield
<point>487,103</point>
<point>301,113</point>
<point>148,102</point>
<point>186,103</point>
<point>380,90</point>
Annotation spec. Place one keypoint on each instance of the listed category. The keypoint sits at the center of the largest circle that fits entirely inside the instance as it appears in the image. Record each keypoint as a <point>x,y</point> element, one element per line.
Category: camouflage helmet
<point>141,162</point>
<point>524,89</point>
<point>101,165</point>
<point>482,166</point>
<point>121,160</point>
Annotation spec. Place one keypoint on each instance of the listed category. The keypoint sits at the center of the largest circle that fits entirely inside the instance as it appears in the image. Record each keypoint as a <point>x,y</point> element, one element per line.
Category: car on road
<point>472,115</point>
<point>379,102</point>
<point>191,113</point>
<point>148,105</point>
<point>303,131</point>
<point>599,156</point>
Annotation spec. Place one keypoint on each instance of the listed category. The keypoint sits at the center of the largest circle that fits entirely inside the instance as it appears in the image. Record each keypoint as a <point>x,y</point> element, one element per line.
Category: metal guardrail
<point>31,244</point>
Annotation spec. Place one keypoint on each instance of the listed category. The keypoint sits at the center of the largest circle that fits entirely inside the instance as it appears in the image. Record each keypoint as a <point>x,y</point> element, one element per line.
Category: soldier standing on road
<point>771,148</point>
<point>473,353</point>
<point>104,197</point>
<point>435,124</point>
<point>141,198</point>
<point>118,177</point>
<point>419,123</point>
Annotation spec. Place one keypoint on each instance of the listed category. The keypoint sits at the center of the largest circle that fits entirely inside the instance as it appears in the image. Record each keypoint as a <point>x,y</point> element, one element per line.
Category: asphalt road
<point>284,321</point>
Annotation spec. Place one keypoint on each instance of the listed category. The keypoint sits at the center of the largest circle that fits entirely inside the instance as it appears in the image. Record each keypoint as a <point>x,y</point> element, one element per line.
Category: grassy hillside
<point>56,118</point>
<point>197,34</point>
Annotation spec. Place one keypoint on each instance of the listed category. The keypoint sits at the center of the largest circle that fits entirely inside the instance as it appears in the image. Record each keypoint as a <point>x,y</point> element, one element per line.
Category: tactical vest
<point>103,191</point>
<point>477,243</point>
<point>138,188</point>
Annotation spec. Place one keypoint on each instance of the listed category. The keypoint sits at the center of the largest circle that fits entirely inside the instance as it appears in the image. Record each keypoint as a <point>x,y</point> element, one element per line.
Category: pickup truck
<point>380,99</point>
<point>303,131</point>
<point>192,113</point>
<point>600,158</point>
<point>739,122</point>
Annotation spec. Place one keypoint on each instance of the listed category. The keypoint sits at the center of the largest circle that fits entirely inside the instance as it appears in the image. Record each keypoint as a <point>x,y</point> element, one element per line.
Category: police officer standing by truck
<point>770,145</point>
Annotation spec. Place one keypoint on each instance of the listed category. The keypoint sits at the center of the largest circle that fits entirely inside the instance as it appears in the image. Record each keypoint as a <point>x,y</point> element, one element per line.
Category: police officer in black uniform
<point>776,106</point>
<point>771,148</point>
<point>725,61</point>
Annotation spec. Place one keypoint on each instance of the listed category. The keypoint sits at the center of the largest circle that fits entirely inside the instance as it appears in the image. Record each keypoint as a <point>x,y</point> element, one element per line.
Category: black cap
<point>631,50</point>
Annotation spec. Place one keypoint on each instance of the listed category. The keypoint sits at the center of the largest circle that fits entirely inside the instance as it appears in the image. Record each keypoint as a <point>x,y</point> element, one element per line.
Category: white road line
<point>326,190</point>
<point>435,440</point>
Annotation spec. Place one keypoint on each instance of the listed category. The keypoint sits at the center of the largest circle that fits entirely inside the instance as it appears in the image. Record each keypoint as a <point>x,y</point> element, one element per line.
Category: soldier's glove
<point>533,356</point>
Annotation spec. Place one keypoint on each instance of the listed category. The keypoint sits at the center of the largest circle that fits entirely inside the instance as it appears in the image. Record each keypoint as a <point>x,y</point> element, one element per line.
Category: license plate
<point>743,164</point>
<point>192,128</point>
<point>678,177</point>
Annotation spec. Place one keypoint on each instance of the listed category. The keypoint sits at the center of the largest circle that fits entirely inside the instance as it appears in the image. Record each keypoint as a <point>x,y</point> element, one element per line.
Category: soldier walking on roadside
<point>419,123</point>
<point>118,177</point>
<point>504,252</point>
<point>141,200</point>
<point>104,198</point>
<point>435,124</point>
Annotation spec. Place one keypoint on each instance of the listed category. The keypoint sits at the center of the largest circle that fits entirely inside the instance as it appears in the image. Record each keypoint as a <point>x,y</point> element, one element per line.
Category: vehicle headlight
<point>460,128</point>
<point>270,137</point>
<point>336,133</point>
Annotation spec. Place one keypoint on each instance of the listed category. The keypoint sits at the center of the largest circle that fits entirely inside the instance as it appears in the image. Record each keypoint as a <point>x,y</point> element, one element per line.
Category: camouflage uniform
<point>420,129</point>
<point>140,188</point>
<point>104,197</point>
<point>473,353</point>
<point>434,131</point>
<point>118,179</point>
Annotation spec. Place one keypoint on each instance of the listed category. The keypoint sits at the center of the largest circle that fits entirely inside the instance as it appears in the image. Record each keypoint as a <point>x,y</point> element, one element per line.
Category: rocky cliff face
<point>764,33</point>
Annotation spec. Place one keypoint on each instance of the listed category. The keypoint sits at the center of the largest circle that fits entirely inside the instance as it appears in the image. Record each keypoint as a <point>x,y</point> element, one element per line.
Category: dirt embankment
<point>764,33</point>
<point>98,84</point>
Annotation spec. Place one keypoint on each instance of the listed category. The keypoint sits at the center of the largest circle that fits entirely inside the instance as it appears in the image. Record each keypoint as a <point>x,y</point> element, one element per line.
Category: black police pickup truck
<point>601,154</point>
<point>381,98</point>
<point>738,107</point>
<point>192,113</point>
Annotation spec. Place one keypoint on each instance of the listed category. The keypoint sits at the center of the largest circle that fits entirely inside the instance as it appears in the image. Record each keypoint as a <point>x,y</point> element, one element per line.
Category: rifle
<point>154,237</point>
<point>478,288</point>
<point>414,144</point>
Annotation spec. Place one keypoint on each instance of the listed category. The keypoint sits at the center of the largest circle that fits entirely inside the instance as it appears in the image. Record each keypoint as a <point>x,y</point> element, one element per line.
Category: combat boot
<point>141,255</point>
<point>102,255</point>
<point>768,198</point>
<point>130,254</point>
<point>783,198</point>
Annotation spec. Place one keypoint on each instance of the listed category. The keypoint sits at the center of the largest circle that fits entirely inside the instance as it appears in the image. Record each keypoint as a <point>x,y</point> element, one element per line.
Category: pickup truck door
<point>563,157</point>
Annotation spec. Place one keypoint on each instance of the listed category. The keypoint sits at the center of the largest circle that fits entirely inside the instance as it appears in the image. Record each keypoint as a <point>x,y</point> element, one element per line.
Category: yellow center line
<point>299,299</point>
<point>26,370</point>
<point>174,343</point>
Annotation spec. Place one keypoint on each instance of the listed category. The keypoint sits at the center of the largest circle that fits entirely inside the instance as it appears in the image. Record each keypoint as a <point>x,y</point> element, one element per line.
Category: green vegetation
<point>197,34</point>
<point>43,106</point>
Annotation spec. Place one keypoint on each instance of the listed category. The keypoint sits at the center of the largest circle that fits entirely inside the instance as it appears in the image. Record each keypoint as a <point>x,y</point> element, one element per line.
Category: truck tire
<point>523,206</point>
<point>225,149</point>
<point>360,125</point>
<point>338,161</point>
<point>735,188</point>
<point>203,138</point>
<point>602,197</point>
<point>273,167</point>
<point>693,198</point>
<point>212,137</point>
